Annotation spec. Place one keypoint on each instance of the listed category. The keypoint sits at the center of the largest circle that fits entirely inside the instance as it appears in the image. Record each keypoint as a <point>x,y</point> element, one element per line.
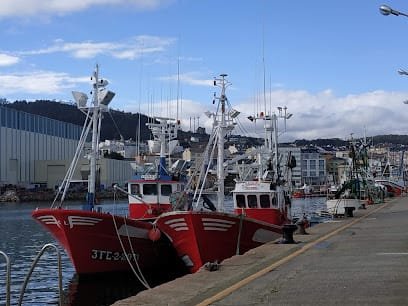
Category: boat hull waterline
<point>92,244</point>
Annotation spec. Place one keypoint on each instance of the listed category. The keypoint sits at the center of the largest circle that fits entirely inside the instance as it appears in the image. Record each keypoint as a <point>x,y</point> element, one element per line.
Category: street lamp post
<point>386,10</point>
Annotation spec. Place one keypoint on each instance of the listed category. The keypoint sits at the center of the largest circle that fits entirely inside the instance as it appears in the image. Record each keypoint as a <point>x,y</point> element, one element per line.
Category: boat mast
<point>222,126</point>
<point>101,97</point>
<point>94,149</point>
<point>165,129</point>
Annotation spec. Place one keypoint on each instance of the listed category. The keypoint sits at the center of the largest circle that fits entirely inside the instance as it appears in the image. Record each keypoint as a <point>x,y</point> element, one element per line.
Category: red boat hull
<point>91,240</point>
<point>201,237</point>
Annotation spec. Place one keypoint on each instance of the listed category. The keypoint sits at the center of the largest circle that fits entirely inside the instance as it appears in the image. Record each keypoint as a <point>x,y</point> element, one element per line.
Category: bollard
<point>302,224</point>
<point>288,230</point>
<point>348,211</point>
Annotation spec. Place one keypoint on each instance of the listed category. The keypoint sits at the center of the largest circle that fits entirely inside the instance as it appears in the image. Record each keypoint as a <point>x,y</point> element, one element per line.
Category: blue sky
<point>332,63</point>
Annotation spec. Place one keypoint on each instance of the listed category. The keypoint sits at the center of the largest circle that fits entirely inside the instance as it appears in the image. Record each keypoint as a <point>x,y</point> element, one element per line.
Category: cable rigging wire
<point>116,126</point>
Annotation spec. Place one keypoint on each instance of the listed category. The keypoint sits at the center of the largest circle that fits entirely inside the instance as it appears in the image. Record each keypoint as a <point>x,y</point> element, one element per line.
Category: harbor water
<point>21,238</point>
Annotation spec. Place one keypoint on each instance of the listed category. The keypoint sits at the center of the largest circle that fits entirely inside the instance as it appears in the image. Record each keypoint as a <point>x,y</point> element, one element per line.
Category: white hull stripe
<point>215,229</point>
<point>217,220</point>
<point>76,220</point>
<point>181,228</point>
<point>49,220</point>
<point>174,225</point>
<point>174,221</point>
<point>216,224</point>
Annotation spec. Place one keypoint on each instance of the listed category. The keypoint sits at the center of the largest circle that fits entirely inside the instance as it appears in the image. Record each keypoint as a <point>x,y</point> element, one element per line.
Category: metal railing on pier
<point>27,278</point>
<point>8,273</point>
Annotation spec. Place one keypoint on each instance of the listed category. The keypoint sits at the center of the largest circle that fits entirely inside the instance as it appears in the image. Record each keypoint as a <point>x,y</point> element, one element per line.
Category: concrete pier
<point>361,260</point>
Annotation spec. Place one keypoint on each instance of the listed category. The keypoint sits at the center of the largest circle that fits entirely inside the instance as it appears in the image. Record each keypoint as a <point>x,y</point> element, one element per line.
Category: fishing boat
<point>100,242</point>
<point>358,186</point>
<point>149,190</point>
<point>209,234</point>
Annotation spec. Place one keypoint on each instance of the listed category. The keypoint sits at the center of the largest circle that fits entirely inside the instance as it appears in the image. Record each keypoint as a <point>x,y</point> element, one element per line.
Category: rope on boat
<point>133,253</point>
<point>140,278</point>
<point>241,220</point>
<point>206,172</point>
<point>145,283</point>
<point>68,176</point>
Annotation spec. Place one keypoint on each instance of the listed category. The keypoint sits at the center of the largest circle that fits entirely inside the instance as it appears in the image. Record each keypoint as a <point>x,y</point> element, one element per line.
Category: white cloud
<point>131,49</point>
<point>10,8</point>
<point>319,115</point>
<point>187,109</point>
<point>189,79</point>
<point>324,115</point>
<point>8,60</point>
<point>40,82</point>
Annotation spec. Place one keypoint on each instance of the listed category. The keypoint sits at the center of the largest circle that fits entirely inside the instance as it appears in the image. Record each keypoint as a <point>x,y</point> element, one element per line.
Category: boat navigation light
<point>103,83</point>
<point>80,98</point>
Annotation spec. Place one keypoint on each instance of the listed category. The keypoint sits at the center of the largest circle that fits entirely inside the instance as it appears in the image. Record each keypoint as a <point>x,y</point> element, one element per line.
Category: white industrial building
<point>25,138</point>
<point>37,150</point>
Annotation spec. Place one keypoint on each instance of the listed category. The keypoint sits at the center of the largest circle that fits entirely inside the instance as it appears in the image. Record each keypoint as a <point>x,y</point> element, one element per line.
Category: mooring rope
<point>133,253</point>
<point>127,257</point>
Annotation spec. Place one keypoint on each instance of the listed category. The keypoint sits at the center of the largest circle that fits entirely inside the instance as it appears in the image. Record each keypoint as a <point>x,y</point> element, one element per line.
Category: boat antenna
<point>178,87</point>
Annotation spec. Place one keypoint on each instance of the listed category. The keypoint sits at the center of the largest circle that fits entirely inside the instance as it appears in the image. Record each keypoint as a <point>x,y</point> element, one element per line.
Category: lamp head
<point>402,72</point>
<point>386,10</point>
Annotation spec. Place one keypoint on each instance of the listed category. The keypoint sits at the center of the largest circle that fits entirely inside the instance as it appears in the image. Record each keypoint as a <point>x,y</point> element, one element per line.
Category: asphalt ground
<point>361,260</point>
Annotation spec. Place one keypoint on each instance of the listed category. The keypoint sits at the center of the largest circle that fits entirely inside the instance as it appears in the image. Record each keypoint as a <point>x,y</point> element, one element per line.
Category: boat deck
<point>361,260</point>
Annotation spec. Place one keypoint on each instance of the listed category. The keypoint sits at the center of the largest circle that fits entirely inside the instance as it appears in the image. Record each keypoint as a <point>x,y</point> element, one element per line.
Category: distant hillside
<point>124,124</point>
<point>335,142</point>
<point>393,140</point>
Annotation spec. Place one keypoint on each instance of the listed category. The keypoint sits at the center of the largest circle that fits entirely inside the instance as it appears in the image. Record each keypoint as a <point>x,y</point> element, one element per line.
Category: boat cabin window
<point>264,201</point>
<point>135,189</point>
<point>150,189</point>
<point>274,201</point>
<point>240,198</point>
<point>252,201</point>
<point>165,190</point>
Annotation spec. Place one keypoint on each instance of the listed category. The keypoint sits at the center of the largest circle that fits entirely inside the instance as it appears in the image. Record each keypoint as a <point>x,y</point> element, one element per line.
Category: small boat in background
<point>302,192</point>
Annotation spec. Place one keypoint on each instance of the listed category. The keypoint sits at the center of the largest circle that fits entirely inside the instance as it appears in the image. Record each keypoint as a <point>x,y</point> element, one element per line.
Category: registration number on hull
<point>112,256</point>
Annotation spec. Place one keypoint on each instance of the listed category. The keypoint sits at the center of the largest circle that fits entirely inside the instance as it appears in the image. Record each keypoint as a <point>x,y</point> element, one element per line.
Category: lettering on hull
<point>112,256</point>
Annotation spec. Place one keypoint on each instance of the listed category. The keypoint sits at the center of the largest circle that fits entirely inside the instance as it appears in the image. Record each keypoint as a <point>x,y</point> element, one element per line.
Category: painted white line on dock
<point>401,253</point>
<point>220,295</point>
